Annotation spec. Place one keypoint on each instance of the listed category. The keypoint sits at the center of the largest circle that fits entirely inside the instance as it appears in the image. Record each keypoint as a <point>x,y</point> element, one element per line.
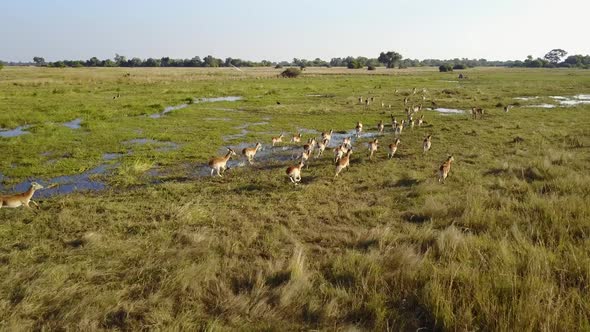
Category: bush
<point>371,67</point>
<point>459,66</point>
<point>291,72</point>
<point>278,66</point>
<point>445,68</point>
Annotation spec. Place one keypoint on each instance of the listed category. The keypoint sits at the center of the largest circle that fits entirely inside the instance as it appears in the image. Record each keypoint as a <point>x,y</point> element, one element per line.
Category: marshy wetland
<point>132,232</point>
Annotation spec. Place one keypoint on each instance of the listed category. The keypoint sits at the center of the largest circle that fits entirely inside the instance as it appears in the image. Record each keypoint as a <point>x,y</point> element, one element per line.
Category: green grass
<point>503,245</point>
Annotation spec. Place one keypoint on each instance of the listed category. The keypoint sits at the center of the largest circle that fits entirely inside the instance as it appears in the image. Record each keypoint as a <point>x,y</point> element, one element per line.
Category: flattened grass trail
<point>502,245</point>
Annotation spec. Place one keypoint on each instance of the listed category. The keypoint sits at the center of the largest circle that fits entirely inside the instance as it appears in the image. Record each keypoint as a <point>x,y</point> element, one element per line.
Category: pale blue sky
<point>281,30</point>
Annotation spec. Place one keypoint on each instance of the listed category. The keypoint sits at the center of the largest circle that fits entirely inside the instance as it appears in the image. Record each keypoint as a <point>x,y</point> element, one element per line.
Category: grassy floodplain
<point>504,244</point>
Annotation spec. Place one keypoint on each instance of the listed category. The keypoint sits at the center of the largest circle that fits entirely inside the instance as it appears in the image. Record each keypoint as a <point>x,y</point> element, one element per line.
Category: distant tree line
<point>553,60</point>
<point>388,59</point>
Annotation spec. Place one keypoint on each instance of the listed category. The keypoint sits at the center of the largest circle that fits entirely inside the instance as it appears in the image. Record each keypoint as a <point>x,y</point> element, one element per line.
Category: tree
<point>389,59</point>
<point>39,61</point>
<point>120,59</point>
<point>555,55</point>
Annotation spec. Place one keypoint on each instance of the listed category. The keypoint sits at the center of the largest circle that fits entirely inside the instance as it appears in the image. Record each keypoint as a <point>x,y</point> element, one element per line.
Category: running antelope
<point>427,143</point>
<point>373,146</point>
<point>305,155</point>
<point>219,163</point>
<point>311,143</point>
<point>296,138</point>
<point>367,102</point>
<point>382,104</point>
<point>372,99</point>
<point>340,151</point>
<point>414,91</point>
<point>294,172</point>
<point>400,127</point>
<point>380,126</point>
<point>444,169</point>
<point>421,120</point>
<point>406,101</point>
<point>393,148</point>
<point>343,162</point>
<point>17,200</point>
<point>276,140</point>
<point>507,108</point>
<point>347,141</point>
<point>477,111</point>
<point>249,153</point>
<point>359,129</point>
<point>360,100</point>
<point>327,135</point>
<point>321,147</point>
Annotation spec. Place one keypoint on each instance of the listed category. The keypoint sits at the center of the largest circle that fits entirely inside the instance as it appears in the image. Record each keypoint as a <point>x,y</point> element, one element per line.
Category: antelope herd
<point>343,150</point>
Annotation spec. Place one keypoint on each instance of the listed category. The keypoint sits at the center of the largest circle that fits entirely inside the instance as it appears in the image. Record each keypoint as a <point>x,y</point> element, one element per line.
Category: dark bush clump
<point>278,66</point>
<point>459,66</point>
<point>291,72</point>
<point>370,67</point>
<point>445,68</point>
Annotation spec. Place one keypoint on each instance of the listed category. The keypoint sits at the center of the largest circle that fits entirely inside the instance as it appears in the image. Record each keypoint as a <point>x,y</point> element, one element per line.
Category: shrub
<point>371,67</point>
<point>291,72</point>
<point>278,66</point>
<point>459,66</point>
<point>445,68</point>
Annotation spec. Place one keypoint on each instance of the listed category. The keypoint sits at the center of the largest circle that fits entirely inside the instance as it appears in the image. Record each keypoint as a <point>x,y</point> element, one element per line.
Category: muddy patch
<point>217,99</point>
<point>18,131</point>
<point>74,124</point>
<point>112,156</point>
<point>448,110</point>
<point>542,106</point>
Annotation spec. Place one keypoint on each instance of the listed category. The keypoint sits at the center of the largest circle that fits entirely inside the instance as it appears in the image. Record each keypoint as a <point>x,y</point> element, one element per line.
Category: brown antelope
<point>372,99</point>
<point>276,140</point>
<point>382,104</point>
<point>507,108</point>
<point>294,172</point>
<point>249,153</point>
<point>423,98</point>
<point>347,141</point>
<point>477,111</point>
<point>421,120</point>
<point>393,122</point>
<point>406,101</point>
<point>373,146</point>
<point>343,162</point>
<point>219,163</point>
<point>414,91</point>
<point>359,129</point>
<point>17,200</point>
<point>399,128</point>
<point>389,106</point>
<point>321,147</point>
<point>296,138</point>
<point>367,102</point>
<point>444,169</point>
<point>427,143</point>
<point>305,155</point>
<point>412,123</point>
<point>380,126</point>
<point>327,135</point>
<point>393,148</point>
<point>340,151</point>
<point>311,143</point>
<point>360,100</point>
<point>396,91</point>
